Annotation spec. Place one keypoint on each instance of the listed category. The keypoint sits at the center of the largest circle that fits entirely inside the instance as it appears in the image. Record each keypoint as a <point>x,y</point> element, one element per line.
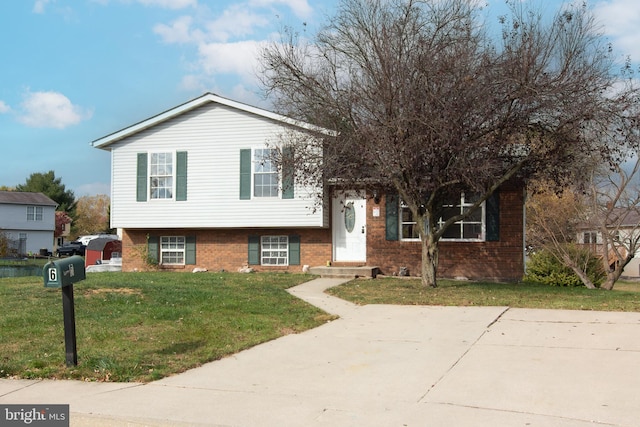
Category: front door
<point>349,228</point>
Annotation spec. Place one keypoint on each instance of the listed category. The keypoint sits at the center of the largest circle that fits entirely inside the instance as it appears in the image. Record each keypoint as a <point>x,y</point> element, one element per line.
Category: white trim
<point>105,141</point>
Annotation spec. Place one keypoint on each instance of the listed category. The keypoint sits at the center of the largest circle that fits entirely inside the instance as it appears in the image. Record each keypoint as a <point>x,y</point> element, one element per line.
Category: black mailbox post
<point>63,273</point>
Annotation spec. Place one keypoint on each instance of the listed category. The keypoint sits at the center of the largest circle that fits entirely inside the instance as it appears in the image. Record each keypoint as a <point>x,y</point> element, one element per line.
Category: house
<point>27,221</point>
<point>625,231</point>
<point>194,187</point>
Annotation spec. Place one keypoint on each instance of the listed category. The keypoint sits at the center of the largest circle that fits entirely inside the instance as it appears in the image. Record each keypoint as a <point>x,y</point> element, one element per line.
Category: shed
<point>100,250</point>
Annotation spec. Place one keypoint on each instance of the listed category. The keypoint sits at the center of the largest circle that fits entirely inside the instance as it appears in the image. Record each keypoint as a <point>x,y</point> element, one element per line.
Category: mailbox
<point>63,272</point>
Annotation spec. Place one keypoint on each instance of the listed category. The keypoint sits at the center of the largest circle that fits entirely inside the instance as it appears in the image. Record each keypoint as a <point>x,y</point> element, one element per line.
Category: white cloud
<point>621,20</point>
<point>179,31</point>
<point>51,110</point>
<point>235,21</point>
<point>170,4</point>
<point>300,8</point>
<point>39,6</point>
<point>4,108</point>
<point>239,58</point>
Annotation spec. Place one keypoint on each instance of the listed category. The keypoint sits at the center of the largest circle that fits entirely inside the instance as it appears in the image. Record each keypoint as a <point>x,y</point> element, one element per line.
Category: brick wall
<point>227,249</point>
<point>502,260</point>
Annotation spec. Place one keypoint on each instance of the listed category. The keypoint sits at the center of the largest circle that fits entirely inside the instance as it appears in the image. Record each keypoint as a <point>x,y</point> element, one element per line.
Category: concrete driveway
<point>385,365</point>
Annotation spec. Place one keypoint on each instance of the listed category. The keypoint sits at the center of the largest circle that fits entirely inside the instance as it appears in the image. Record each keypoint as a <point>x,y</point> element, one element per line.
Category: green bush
<point>543,267</point>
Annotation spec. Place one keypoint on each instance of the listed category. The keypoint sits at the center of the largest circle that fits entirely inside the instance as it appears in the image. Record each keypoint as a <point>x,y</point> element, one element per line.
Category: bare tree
<point>554,220</point>
<point>614,206</point>
<point>427,104</point>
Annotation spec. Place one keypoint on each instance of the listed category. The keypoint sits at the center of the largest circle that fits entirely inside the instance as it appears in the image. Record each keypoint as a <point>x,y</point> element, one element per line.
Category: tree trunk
<point>429,261</point>
<point>568,261</point>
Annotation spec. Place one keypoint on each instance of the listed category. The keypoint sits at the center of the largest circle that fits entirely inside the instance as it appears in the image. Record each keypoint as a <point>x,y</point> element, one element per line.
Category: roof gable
<point>105,141</point>
<point>25,198</point>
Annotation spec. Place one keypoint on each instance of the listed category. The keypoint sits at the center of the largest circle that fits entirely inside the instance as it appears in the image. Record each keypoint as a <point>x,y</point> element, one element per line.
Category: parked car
<point>71,248</point>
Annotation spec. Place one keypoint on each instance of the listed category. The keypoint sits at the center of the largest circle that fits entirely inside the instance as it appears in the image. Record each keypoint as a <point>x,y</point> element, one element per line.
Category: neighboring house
<point>194,187</point>
<point>28,221</point>
<point>626,231</point>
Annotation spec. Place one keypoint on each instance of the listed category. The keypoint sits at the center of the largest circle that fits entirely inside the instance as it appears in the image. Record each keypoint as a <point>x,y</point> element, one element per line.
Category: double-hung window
<point>274,250</point>
<point>470,228</point>
<point>161,176</point>
<point>408,229</point>
<point>34,213</point>
<point>172,250</point>
<point>265,173</point>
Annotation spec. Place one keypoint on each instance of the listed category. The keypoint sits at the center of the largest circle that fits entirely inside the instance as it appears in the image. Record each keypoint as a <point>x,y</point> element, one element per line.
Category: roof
<point>100,243</point>
<point>25,198</point>
<point>208,97</point>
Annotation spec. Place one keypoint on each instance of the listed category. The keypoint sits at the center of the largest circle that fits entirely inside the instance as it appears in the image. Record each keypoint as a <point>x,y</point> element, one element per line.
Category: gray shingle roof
<point>23,198</point>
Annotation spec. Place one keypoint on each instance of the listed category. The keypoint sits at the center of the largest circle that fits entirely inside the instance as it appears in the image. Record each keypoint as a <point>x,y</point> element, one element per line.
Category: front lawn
<point>624,297</point>
<point>145,326</point>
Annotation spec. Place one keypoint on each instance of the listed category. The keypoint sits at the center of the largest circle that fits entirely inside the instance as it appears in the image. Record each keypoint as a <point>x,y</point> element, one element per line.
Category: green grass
<point>624,297</point>
<point>145,326</point>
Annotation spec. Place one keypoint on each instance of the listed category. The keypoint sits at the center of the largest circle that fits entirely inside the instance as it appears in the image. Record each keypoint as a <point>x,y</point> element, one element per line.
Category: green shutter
<point>153,247</point>
<point>288,173</point>
<point>391,217</point>
<point>181,176</point>
<point>141,178</point>
<point>254,250</point>
<point>190,250</point>
<point>245,174</point>
<point>294,250</point>
<point>493,217</point>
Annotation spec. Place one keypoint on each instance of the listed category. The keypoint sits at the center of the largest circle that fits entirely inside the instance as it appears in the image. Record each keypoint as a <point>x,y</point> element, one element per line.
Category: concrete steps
<point>345,271</point>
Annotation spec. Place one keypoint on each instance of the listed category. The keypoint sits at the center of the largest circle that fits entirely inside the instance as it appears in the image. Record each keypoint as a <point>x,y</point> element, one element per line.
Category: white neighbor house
<point>28,220</point>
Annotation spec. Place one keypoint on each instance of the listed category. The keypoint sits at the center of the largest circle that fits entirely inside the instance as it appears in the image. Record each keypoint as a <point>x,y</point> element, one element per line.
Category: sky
<point>73,71</point>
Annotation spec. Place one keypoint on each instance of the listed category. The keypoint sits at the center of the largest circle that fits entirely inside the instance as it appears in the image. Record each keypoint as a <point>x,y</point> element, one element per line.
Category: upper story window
<point>470,228</point>
<point>265,173</point>
<point>34,213</point>
<point>161,176</point>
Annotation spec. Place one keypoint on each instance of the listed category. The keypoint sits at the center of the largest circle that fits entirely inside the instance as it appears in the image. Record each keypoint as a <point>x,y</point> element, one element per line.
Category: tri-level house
<point>27,222</point>
<point>195,186</point>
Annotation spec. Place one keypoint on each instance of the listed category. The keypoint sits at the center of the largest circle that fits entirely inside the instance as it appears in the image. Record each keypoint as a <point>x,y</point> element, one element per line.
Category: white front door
<point>349,228</point>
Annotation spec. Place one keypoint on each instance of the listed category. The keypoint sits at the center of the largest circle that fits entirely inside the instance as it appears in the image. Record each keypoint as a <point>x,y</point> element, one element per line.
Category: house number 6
<point>53,275</point>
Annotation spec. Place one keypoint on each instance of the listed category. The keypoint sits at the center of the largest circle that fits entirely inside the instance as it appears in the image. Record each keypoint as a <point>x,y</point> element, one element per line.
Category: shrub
<point>544,267</point>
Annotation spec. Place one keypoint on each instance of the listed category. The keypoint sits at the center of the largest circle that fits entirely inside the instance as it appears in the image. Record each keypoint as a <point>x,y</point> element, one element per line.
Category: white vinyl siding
<point>213,136</point>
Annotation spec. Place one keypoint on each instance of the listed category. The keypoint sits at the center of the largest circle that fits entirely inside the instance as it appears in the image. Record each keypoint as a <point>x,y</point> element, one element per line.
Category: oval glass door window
<point>349,217</point>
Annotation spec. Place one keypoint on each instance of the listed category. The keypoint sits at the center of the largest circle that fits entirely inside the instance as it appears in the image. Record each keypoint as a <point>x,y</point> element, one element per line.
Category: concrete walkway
<point>385,365</point>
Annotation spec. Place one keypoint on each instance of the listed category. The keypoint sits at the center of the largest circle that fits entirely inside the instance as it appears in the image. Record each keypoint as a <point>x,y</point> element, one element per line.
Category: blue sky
<point>72,71</point>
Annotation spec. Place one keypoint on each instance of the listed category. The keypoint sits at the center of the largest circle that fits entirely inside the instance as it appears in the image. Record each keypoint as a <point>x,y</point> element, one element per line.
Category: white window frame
<point>35,213</point>
<point>408,222</point>
<point>274,250</point>
<point>156,171</point>
<point>173,250</point>
<point>262,166</point>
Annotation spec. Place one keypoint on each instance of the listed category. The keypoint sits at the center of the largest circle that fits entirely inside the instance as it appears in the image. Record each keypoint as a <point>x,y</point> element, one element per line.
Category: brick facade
<point>502,260</point>
<point>227,249</point>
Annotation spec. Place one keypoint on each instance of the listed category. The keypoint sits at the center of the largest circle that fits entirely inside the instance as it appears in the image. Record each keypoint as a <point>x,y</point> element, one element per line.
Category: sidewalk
<point>384,365</point>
